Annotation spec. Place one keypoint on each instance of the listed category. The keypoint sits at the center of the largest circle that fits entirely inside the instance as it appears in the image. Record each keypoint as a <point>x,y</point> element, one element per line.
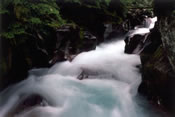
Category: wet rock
<point>58,57</point>
<point>154,38</point>
<point>157,78</point>
<point>114,31</point>
<point>158,66</point>
<point>134,44</point>
<point>146,43</point>
<point>28,103</point>
<point>167,29</point>
<point>70,42</point>
<point>31,101</point>
<point>136,17</point>
<point>156,51</point>
<point>157,72</point>
<point>68,35</point>
<point>89,42</point>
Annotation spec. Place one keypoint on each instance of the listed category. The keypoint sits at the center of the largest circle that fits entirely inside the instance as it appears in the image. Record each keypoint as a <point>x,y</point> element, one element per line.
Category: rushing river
<point>108,89</point>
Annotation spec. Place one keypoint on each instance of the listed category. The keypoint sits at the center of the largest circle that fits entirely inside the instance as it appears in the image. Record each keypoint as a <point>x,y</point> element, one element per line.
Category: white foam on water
<point>149,24</point>
<point>109,90</point>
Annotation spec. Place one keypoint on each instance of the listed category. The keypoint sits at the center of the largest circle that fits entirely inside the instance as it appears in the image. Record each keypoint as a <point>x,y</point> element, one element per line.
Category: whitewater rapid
<point>108,89</point>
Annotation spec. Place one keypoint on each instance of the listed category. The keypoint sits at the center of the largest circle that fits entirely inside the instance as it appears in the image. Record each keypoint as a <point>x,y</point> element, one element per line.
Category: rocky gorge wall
<point>157,56</point>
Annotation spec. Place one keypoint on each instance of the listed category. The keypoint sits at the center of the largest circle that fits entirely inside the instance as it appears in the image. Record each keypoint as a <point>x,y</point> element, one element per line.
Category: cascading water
<point>108,89</point>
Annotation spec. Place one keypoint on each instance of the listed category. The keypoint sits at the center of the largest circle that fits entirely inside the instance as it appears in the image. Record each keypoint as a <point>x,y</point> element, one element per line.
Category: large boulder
<point>70,42</point>
<point>146,43</point>
<point>158,78</point>
<point>134,44</point>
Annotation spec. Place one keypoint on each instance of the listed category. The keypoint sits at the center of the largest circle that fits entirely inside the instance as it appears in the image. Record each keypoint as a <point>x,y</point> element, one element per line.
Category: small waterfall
<point>138,38</point>
<point>109,84</point>
<point>149,24</point>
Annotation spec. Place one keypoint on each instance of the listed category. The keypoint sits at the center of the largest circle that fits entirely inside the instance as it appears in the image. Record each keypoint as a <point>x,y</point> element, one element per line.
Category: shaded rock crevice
<point>167,29</point>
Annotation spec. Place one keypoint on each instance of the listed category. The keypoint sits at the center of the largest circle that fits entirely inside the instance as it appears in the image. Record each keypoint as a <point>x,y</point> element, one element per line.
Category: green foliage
<point>35,20</point>
<point>15,29</point>
<point>73,1</point>
<point>81,33</point>
<point>96,3</point>
<point>8,35</point>
<point>3,11</point>
<point>43,16</point>
<point>3,66</point>
<point>15,33</point>
<point>39,14</point>
<point>137,3</point>
<point>173,13</point>
<point>89,3</point>
<point>29,18</point>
